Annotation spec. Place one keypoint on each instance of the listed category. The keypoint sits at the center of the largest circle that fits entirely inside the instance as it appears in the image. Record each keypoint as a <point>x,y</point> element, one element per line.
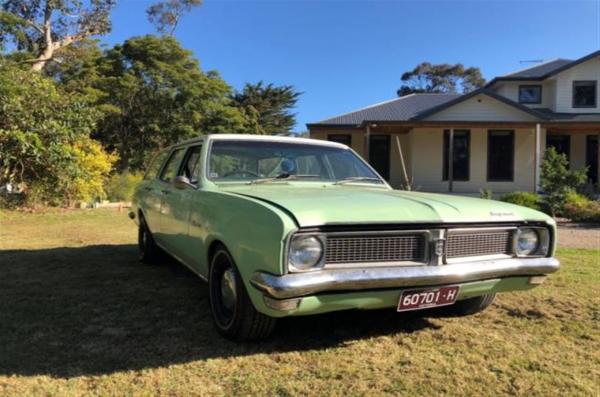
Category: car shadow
<point>95,310</point>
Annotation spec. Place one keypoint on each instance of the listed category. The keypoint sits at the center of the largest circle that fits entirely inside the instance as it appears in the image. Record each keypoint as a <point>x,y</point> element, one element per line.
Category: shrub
<point>485,194</point>
<point>557,180</point>
<point>579,208</point>
<point>120,187</point>
<point>525,199</point>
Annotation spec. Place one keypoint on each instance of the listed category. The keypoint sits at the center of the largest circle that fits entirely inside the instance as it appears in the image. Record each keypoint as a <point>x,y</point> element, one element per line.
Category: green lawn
<point>79,315</point>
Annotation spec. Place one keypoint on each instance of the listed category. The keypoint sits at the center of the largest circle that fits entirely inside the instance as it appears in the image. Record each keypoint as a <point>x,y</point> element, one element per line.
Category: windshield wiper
<point>357,179</point>
<point>281,176</point>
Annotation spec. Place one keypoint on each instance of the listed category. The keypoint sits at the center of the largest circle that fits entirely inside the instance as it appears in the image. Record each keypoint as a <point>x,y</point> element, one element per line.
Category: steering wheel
<point>234,172</point>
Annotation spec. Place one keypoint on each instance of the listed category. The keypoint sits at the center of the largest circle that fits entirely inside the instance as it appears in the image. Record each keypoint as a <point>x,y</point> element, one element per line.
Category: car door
<point>149,192</point>
<point>176,204</point>
<point>165,186</point>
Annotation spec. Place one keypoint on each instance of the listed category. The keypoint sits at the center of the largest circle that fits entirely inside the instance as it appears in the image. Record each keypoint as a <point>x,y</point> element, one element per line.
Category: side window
<point>192,164</point>
<point>155,165</point>
<point>170,171</point>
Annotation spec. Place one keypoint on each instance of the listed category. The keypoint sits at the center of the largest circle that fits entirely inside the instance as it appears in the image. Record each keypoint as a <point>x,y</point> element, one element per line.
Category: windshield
<point>255,161</point>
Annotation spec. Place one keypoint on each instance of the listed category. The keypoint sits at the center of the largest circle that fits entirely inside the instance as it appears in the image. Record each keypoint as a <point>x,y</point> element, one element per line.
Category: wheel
<point>149,252</point>
<point>470,306</point>
<point>234,314</point>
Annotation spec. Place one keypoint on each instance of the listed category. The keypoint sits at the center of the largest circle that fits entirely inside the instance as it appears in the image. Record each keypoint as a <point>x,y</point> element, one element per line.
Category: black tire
<point>234,314</point>
<point>149,252</point>
<point>470,306</point>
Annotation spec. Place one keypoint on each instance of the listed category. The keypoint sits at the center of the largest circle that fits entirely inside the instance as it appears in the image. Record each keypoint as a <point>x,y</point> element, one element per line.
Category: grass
<point>79,315</point>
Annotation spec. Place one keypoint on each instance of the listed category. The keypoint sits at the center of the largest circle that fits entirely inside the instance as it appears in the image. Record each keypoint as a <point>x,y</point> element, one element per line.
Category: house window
<point>585,94</point>
<point>501,155</point>
<point>591,158</point>
<point>530,94</point>
<point>461,150</point>
<point>345,139</point>
<point>560,143</point>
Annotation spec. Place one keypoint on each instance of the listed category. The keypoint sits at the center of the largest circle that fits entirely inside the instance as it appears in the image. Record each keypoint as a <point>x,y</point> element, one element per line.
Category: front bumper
<point>295,285</point>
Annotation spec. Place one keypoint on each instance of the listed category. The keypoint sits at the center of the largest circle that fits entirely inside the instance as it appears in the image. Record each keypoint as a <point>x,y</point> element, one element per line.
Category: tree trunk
<point>42,59</point>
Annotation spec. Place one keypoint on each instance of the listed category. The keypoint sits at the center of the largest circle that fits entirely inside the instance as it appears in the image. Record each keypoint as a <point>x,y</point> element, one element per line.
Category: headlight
<point>305,252</point>
<point>528,242</point>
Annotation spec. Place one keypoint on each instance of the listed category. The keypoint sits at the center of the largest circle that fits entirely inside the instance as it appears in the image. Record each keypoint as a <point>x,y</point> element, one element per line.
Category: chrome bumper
<point>300,284</point>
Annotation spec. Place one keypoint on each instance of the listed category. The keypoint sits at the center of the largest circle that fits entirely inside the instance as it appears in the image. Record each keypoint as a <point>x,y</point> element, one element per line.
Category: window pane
<point>460,169</point>
<point>530,94</point>
<point>170,171</point>
<point>379,154</point>
<point>155,165</point>
<point>584,94</point>
<point>248,160</point>
<point>343,139</point>
<point>191,167</point>
<point>560,143</point>
<point>501,149</point>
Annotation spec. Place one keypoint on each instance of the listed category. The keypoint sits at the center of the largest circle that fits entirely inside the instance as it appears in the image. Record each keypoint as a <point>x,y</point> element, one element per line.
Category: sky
<point>345,55</point>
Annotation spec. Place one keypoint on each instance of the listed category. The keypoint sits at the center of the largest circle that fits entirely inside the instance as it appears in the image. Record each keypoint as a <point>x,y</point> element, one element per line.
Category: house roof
<point>399,109</point>
<point>481,91</point>
<point>570,117</point>
<point>544,70</point>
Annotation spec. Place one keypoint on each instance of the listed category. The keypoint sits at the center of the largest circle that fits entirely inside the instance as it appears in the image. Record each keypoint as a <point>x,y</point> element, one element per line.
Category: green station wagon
<point>287,227</point>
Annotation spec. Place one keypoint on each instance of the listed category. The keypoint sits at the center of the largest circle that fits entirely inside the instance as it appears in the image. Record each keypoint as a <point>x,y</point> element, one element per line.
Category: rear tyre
<point>470,306</point>
<point>149,252</point>
<point>233,312</point>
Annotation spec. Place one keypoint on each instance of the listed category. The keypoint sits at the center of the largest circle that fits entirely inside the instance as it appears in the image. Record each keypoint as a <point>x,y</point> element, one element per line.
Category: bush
<point>120,187</point>
<point>557,180</point>
<point>525,199</point>
<point>579,208</point>
<point>486,194</point>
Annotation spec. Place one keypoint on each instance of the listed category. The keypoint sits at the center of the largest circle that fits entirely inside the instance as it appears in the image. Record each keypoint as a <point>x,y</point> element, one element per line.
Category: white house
<point>498,134</point>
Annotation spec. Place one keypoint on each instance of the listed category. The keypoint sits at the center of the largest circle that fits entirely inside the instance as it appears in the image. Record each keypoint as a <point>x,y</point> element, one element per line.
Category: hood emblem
<point>494,213</point>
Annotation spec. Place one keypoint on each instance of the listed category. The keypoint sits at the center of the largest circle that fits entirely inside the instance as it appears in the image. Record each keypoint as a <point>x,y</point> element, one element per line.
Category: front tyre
<point>234,314</point>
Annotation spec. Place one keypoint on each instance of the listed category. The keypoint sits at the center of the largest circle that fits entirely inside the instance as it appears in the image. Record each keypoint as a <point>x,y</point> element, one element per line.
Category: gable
<point>481,107</point>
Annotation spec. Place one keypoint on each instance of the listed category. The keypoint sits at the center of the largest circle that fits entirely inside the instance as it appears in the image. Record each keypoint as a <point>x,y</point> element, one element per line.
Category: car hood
<point>327,204</point>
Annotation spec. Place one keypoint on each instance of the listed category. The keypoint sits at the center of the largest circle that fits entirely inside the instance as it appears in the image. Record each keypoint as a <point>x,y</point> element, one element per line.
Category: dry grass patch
<point>79,315</point>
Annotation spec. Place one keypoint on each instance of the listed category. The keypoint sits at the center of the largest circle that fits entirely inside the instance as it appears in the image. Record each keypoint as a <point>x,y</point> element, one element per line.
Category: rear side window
<point>155,165</point>
<point>170,171</point>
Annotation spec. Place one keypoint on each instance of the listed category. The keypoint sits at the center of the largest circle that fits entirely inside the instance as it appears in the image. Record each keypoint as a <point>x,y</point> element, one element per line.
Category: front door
<point>176,205</point>
<point>379,154</point>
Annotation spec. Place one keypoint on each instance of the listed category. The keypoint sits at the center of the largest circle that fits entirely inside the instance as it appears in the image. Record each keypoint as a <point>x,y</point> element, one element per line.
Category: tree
<point>45,144</point>
<point>42,28</point>
<point>165,15</point>
<point>441,78</point>
<point>269,105</point>
<point>557,181</point>
<point>154,95</point>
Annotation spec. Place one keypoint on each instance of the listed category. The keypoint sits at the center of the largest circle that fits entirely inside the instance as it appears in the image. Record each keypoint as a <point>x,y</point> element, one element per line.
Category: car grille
<point>479,243</point>
<point>395,248</point>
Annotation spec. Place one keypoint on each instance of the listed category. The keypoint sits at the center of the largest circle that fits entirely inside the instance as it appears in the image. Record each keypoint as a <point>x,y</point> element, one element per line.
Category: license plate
<point>415,299</point>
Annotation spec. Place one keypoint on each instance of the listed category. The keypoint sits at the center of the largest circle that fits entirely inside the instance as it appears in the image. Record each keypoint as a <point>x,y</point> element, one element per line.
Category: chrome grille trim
<point>478,242</point>
<point>365,249</point>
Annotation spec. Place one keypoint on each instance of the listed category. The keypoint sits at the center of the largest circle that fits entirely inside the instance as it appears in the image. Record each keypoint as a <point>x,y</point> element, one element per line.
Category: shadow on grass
<point>95,310</point>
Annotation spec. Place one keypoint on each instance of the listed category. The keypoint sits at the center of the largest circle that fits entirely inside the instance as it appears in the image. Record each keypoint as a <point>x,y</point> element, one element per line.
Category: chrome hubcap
<point>228,295</point>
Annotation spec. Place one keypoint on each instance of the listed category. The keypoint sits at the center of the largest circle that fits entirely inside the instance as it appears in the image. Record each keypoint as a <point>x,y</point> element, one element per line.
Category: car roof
<point>258,138</point>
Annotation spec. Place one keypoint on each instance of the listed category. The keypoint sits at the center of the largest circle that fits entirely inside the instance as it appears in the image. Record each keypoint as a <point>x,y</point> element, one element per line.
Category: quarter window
<point>170,171</point>
<point>585,94</point>
<point>461,149</point>
<point>501,155</point>
<point>530,94</point>
<point>192,164</point>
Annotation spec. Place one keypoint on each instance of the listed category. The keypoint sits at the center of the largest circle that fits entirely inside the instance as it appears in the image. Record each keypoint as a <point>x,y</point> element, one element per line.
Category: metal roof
<point>399,109</point>
<point>538,71</point>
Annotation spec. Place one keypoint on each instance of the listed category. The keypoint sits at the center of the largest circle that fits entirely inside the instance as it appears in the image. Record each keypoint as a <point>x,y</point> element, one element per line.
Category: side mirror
<point>181,182</point>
